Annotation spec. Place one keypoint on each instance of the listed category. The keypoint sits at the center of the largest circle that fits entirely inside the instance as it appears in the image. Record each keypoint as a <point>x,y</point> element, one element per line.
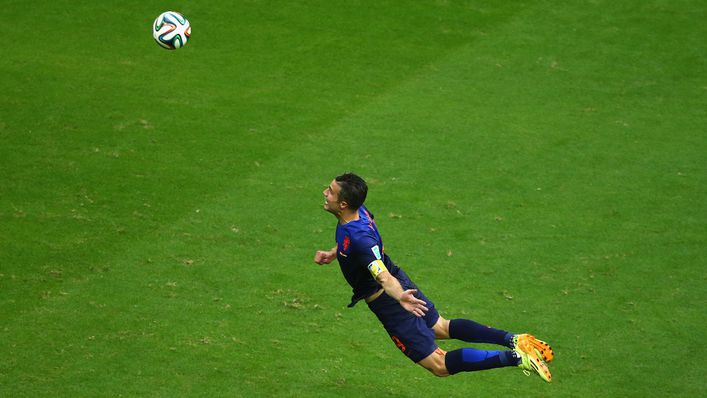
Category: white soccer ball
<point>171,30</point>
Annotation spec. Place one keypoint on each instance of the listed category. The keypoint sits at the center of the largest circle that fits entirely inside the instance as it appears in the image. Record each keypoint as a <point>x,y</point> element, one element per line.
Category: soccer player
<point>407,315</point>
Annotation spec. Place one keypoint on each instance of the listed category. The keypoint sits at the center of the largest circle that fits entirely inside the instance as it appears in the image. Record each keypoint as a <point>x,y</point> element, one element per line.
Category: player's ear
<point>343,205</point>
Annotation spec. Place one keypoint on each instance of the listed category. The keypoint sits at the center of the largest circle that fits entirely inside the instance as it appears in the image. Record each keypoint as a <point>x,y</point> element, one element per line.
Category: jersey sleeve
<point>369,250</point>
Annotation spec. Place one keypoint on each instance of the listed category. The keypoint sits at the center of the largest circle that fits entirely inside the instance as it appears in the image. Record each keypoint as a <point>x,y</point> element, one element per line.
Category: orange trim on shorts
<point>398,343</point>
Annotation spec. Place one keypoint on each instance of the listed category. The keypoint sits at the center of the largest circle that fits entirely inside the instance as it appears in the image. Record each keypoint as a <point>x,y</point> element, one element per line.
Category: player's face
<point>331,197</point>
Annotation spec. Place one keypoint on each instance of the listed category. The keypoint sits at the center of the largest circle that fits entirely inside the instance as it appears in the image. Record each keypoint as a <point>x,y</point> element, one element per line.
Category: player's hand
<point>413,304</point>
<point>324,257</point>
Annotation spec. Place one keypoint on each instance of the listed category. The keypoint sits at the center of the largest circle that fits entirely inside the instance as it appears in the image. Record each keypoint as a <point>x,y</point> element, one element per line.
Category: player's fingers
<point>417,301</point>
<point>421,310</point>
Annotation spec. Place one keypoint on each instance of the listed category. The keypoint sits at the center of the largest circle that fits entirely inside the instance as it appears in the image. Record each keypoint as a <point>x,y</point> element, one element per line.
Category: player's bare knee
<point>436,363</point>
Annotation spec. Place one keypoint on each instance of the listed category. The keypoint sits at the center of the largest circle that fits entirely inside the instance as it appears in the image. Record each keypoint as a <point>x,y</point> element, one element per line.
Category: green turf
<point>539,166</point>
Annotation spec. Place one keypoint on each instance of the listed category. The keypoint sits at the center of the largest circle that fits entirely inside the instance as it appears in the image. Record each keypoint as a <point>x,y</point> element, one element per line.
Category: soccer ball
<point>171,30</point>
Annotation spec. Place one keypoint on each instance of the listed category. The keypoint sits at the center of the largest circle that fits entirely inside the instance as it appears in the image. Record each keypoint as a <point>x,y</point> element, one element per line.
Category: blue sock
<point>466,330</point>
<point>470,360</point>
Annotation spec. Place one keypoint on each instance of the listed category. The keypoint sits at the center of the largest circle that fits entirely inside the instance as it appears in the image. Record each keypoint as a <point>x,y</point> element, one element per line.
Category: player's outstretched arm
<point>413,304</point>
<point>406,298</point>
<point>325,257</point>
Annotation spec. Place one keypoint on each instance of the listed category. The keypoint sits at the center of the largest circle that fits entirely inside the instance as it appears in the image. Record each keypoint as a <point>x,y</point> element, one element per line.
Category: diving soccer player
<point>409,317</point>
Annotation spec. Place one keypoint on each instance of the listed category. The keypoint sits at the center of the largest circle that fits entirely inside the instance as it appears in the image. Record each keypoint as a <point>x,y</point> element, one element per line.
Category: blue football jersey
<point>358,243</point>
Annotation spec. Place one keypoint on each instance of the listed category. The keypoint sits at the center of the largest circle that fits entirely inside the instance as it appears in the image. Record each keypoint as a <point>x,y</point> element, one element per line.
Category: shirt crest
<point>346,243</point>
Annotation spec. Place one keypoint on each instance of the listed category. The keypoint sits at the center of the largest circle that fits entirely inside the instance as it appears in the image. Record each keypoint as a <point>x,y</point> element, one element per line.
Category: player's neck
<point>347,216</point>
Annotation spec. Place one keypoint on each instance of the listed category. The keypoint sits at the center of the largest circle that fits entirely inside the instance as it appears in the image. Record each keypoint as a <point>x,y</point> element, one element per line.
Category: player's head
<point>346,192</point>
<point>353,190</point>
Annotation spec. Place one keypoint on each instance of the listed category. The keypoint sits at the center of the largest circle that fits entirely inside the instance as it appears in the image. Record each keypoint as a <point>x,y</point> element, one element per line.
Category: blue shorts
<point>412,335</point>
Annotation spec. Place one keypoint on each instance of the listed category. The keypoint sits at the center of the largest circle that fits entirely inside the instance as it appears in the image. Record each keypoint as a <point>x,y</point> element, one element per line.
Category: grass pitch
<point>538,167</point>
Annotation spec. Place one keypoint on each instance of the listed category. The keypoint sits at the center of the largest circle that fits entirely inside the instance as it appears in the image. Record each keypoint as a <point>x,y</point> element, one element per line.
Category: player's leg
<point>442,364</point>
<point>473,332</point>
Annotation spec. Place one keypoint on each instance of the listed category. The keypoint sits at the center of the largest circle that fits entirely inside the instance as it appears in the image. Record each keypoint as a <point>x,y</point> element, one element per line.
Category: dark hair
<point>353,189</point>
